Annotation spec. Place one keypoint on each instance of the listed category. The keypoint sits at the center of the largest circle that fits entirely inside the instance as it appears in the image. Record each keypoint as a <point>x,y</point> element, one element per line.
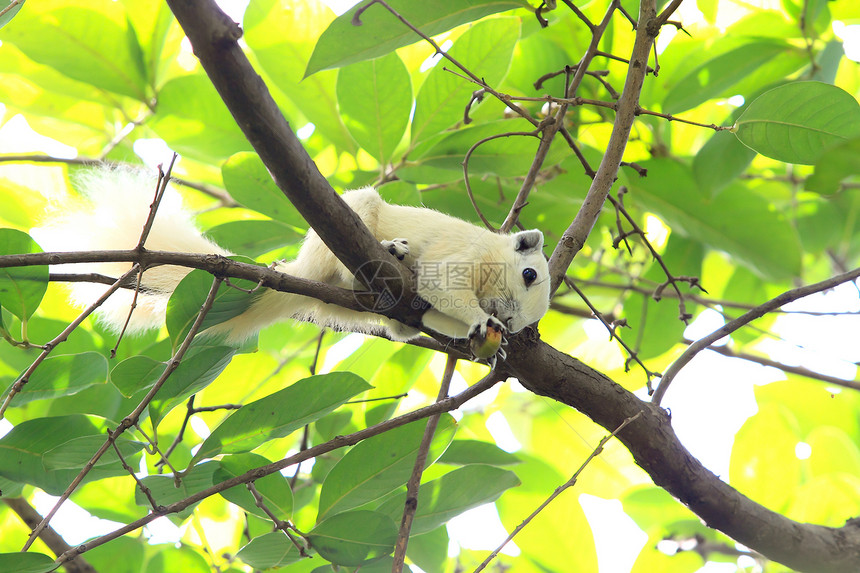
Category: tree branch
<point>746,318</point>
<point>656,449</point>
<point>52,539</point>
<point>214,38</point>
<point>574,237</point>
<point>217,265</point>
<point>445,405</point>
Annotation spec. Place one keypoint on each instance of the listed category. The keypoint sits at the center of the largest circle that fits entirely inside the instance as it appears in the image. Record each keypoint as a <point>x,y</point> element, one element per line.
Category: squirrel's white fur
<point>471,276</point>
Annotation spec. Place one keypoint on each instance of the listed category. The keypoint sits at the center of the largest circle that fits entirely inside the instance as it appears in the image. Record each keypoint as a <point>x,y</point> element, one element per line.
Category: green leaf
<point>380,32</point>
<point>653,559</point>
<point>812,404</point>
<point>96,46</point>
<point>452,494</point>
<point>833,167</point>
<point>21,288</point>
<point>136,373</point>
<point>819,223</point>
<point>551,548</point>
<point>465,452</point>
<point>736,221</point>
<point>248,182</point>
<point>715,76</point>
<point>253,238</point>
<point>656,326</point>
<point>159,34</point>
<point>720,161</point>
<point>351,538</point>
<point>504,156</point>
<point>193,120</point>
<point>833,451</point>
<point>56,105</point>
<point>429,551</point>
<point>63,376</point>
<point>282,35</point>
<point>768,474</point>
<point>111,498</point>
<point>379,465</point>
<point>281,413</point>
<point>487,46</point>
<point>11,488</point>
<point>122,555</point>
<point>22,452</point>
<point>164,491</point>
<point>75,453</point>
<point>828,500</point>
<point>183,559</point>
<point>796,122</point>
<point>197,370</point>
<point>188,298</point>
<point>654,509</point>
<point>29,562</point>
<point>9,13</point>
<point>375,100</point>
<point>268,551</point>
<point>274,488</point>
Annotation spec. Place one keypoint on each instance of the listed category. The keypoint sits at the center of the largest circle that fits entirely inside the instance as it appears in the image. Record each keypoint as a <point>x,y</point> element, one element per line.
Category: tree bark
<point>656,449</point>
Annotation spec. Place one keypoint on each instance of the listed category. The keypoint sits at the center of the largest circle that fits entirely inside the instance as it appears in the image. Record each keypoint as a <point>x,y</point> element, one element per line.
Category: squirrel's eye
<point>529,276</point>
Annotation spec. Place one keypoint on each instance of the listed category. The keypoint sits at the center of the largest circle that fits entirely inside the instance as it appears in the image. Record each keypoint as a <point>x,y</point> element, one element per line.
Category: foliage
<point>749,212</point>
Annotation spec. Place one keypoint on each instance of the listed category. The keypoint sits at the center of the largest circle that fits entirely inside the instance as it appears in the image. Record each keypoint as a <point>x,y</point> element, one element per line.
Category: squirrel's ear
<point>528,241</point>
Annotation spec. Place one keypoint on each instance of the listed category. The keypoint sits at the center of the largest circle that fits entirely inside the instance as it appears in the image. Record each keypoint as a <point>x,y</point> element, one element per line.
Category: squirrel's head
<point>518,295</point>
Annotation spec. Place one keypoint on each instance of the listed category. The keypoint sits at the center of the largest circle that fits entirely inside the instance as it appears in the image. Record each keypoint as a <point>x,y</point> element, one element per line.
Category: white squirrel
<point>471,276</point>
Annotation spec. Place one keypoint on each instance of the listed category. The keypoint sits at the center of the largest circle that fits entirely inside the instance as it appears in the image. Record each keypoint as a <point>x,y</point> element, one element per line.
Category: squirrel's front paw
<point>481,327</point>
<point>397,247</point>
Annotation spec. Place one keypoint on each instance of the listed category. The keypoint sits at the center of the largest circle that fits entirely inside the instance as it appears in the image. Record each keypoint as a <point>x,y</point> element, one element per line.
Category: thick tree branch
<point>655,447</point>
<point>214,37</point>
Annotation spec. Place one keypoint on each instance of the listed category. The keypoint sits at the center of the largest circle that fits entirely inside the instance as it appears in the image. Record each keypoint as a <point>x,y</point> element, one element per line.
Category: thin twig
<point>214,192</point>
<point>160,188</point>
<point>667,12</point>
<point>132,306</point>
<point>446,405</point>
<point>746,318</point>
<point>132,418</point>
<point>799,370</point>
<point>146,491</point>
<point>671,279</point>
<point>574,237</point>
<point>550,128</point>
<point>466,177</point>
<point>51,538</point>
<point>517,109</point>
<point>47,348</point>
<point>412,486</point>
<point>10,6</point>
<point>558,491</point>
<point>306,432</point>
<point>280,524</point>
<point>632,355</point>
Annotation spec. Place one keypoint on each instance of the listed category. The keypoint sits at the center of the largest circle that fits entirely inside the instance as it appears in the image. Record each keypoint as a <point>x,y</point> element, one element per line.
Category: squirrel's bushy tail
<point>110,215</point>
